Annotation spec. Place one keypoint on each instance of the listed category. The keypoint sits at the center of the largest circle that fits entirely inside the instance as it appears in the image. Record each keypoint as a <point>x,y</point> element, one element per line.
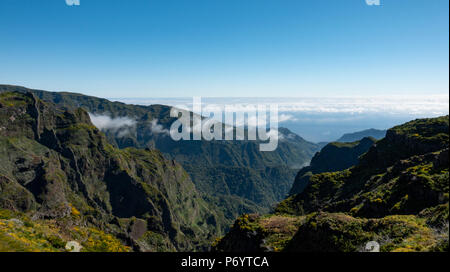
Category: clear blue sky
<point>168,48</point>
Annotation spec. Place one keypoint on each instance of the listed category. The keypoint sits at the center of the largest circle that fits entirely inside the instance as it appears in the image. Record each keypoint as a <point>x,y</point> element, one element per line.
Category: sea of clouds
<point>434,104</point>
<point>319,118</point>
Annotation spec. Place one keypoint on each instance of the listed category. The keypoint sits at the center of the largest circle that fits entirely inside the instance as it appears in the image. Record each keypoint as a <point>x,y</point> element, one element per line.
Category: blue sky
<point>251,48</point>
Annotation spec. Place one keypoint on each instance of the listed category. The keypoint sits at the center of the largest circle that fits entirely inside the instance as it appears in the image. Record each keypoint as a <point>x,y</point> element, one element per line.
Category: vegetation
<point>333,157</point>
<point>62,181</point>
<point>20,233</point>
<point>234,177</point>
<point>396,195</point>
<point>57,166</point>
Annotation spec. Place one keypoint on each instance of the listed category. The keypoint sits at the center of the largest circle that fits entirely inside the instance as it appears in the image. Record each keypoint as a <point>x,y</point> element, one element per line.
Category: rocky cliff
<point>57,166</point>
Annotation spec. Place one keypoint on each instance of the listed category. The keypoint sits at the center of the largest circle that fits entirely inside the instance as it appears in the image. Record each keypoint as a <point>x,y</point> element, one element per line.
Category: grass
<point>18,233</point>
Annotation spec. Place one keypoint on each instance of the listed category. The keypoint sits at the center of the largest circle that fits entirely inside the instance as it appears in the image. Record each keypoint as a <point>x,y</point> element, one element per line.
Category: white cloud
<point>120,125</point>
<point>157,128</point>
<point>285,117</point>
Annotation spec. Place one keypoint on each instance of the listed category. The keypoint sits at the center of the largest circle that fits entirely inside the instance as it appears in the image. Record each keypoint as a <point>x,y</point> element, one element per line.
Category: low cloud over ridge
<point>120,125</point>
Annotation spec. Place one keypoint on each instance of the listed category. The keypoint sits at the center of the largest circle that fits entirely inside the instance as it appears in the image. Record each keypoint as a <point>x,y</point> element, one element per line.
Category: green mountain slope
<point>397,195</point>
<point>57,166</point>
<point>234,175</point>
<point>333,157</point>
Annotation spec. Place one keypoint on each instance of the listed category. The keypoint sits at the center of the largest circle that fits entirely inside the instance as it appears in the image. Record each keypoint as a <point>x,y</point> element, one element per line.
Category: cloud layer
<point>430,104</point>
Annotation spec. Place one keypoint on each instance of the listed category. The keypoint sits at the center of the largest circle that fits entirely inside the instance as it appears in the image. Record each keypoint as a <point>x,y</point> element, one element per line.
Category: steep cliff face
<point>397,195</point>
<point>333,157</point>
<point>55,162</point>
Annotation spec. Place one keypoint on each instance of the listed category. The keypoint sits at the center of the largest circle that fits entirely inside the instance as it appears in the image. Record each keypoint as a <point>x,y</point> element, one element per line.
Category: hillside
<point>233,175</point>
<point>60,174</point>
<point>356,136</point>
<point>333,157</point>
<point>396,195</point>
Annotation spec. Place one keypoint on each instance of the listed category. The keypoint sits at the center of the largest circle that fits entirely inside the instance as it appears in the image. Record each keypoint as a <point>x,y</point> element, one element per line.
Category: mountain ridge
<point>397,196</point>
<point>58,166</point>
<point>333,157</point>
<point>378,134</point>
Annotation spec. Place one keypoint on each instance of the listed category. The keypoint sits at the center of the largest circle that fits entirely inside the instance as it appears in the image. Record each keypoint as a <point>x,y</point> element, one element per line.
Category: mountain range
<point>56,165</point>
<point>105,176</point>
<point>233,174</point>
<point>218,180</point>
